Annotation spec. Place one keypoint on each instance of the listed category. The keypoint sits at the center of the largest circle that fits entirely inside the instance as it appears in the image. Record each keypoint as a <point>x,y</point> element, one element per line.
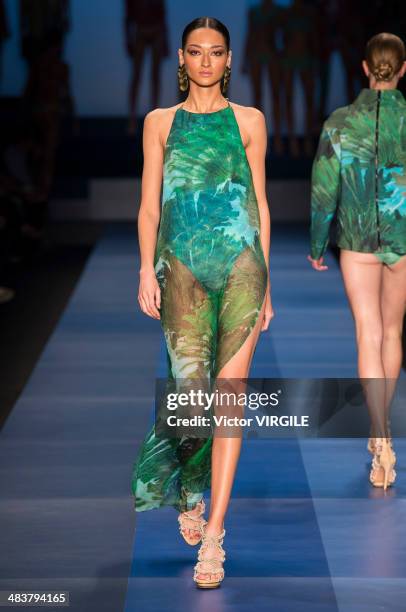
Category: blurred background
<point>76,80</point>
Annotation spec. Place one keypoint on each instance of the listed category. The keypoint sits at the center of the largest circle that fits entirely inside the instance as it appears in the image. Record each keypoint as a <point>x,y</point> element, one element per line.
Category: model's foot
<point>190,523</point>
<point>371,445</point>
<point>209,551</point>
<point>382,472</point>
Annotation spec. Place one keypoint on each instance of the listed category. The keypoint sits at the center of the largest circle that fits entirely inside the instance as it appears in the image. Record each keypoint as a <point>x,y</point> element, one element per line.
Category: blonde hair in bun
<point>385,54</point>
<point>384,72</point>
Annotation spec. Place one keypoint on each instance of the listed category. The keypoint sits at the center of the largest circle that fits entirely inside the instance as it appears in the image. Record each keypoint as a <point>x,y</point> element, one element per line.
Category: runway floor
<point>305,529</point>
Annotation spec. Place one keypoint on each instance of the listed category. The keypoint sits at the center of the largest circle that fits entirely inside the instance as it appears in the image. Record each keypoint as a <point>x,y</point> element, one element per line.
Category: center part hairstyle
<point>206,22</point>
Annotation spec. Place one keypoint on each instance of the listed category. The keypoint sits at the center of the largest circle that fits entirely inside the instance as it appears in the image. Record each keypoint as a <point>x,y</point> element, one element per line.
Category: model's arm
<point>256,152</point>
<point>149,213</point>
<point>324,190</point>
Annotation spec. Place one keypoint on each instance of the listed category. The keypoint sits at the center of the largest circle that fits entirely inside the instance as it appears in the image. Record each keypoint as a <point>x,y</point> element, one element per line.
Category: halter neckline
<point>211,113</point>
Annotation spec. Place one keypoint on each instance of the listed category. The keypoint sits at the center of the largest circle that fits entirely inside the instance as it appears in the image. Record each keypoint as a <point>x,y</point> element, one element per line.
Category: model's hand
<point>317,264</point>
<point>149,294</point>
<point>268,312</point>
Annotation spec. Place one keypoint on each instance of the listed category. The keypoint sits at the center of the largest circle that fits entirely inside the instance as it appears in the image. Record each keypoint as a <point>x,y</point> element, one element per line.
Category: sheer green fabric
<point>212,274</point>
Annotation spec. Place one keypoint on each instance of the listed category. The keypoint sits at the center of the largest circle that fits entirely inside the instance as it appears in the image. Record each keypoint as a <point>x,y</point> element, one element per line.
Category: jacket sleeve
<point>325,188</point>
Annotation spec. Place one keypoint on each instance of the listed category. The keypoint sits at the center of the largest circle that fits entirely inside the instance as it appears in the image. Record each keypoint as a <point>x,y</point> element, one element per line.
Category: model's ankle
<point>214,527</point>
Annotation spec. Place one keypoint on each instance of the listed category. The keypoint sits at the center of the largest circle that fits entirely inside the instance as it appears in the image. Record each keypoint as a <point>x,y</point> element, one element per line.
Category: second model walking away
<point>360,174</point>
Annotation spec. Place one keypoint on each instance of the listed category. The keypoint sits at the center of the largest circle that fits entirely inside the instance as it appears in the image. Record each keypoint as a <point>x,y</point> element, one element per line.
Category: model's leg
<point>176,471</point>
<point>362,274</point>
<point>393,304</point>
<point>240,320</point>
<point>226,449</point>
<point>189,320</point>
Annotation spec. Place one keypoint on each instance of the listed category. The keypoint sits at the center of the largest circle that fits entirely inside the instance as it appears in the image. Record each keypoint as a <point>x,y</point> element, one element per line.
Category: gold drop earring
<point>226,79</point>
<point>183,78</point>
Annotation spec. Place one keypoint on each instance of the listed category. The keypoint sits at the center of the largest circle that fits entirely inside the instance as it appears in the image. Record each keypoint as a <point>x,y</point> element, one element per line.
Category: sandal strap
<point>216,568</point>
<point>209,561</point>
<point>194,528</point>
<point>373,475</point>
<point>196,517</point>
<point>379,451</point>
<point>202,509</point>
<point>204,548</point>
<point>216,539</point>
<point>215,563</point>
<point>210,541</point>
<point>376,465</point>
<point>220,559</point>
<point>184,516</point>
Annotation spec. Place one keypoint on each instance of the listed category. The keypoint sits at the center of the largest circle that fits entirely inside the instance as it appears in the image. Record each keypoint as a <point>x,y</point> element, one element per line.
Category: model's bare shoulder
<point>248,113</point>
<point>159,120</point>
<point>250,121</point>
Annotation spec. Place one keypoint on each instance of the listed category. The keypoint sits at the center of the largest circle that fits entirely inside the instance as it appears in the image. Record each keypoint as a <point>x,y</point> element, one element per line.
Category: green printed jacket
<point>359,173</point>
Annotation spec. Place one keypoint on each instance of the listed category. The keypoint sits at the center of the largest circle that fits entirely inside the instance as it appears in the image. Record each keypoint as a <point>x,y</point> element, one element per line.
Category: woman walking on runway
<point>204,273</point>
<point>360,171</point>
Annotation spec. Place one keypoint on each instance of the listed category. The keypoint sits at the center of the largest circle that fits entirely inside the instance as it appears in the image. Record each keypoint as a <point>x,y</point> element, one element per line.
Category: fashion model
<point>204,273</point>
<point>360,173</point>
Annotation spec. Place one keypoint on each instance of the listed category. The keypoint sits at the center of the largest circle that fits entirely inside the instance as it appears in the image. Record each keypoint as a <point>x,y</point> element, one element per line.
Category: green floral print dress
<point>213,277</point>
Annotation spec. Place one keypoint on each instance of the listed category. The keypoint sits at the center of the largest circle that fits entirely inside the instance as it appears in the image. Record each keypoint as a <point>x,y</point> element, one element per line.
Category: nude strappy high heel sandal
<point>197,519</point>
<point>384,458</point>
<point>371,446</point>
<point>210,565</point>
<point>371,442</point>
